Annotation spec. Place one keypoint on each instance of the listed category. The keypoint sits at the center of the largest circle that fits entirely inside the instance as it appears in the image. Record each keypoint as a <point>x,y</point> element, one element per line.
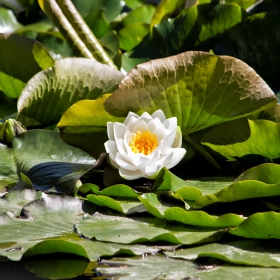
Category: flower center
<point>144,142</point>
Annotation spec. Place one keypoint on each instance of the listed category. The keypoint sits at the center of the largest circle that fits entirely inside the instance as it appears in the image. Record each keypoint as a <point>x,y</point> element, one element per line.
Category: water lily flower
<point>143,145</point>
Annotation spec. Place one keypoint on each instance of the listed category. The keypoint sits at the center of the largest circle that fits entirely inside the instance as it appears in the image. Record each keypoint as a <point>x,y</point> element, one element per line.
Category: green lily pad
<point>122,205</point>
<point>244,137</point>
<point>201,218</point>
<point>244,252</point>
<point>140,229</point>
<point>119,190</point>
<point>260,225</point>
<point>167,181</point>
<point>257,182</point>
<point>153,267</point>
<point>46,160</point>
<point>208,90</point>
<point>13,201</point>
<point>194,218</point>
<point>70,80</point>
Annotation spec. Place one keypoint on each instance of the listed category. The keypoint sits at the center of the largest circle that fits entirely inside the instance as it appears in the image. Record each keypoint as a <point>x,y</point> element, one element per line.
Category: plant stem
<point>202,151</point>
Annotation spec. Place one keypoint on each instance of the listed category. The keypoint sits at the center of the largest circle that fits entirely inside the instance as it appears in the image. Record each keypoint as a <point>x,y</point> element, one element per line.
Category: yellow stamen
<point>143,142</point>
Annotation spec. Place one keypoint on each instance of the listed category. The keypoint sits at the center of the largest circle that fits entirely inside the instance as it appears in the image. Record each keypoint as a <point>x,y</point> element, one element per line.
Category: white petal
<point>123,150</point>
<point>155,123</point>
<point>141,160</point>
<point>131,124</point>
<point>130,114</point>
<point>170,123</point>
<point>130,175</point>
<point>159,132</point>
<point>178,154</point>
<point>164,160</point>
<point>167,142</point>
<point>151,171</point>
<point>140,126</point>
<point>110,130</point>
<point>145,117</point>
<point>119,130</point>
<point>124,164</point>
<point>111,148</point>
<point>114,163</point>
<point>159,114</point>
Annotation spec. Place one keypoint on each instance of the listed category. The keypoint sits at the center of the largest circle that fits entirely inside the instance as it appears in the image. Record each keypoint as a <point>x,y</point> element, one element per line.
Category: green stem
<point>53,11</point>
<point>84,32</point>
<point>75,31</point>
<point>202,151</point>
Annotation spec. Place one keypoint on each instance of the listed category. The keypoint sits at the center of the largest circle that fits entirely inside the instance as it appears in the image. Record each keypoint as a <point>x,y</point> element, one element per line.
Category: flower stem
<point>202,151</point>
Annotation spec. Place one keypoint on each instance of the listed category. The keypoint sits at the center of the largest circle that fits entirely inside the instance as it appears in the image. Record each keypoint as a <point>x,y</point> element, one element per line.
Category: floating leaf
<point>259,181</point>
<point>243,137</point>
<point>46,160</point>
<point>259,225</point>
<point>70,80</point>
<point>161,267</point>
<point>208,90</point>
<point>167,181</point>
<point>140,229</point>
<point>122,205</point>
<point>244,252</point>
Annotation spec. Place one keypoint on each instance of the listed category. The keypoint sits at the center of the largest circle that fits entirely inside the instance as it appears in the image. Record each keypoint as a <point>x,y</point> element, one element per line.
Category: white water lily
<point>142,146</point>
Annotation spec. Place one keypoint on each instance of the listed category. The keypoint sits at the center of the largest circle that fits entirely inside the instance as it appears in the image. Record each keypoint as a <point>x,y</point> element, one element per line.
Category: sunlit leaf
<point>244,137</point>
<point>81,123</point>
<point>141,229</point>
<point>244,252</point>
<point>260,225</point>
<point>207,90</point>
<point>70,80</point>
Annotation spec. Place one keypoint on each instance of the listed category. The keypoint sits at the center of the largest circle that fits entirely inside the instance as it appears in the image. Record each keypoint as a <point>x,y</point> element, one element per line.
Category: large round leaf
<point>199,88</point>
<point>51,92</point>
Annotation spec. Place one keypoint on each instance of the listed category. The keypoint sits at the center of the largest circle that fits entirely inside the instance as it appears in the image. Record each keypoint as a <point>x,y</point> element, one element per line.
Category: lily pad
<point>243,137</point>
<point>257,182</point>
<point>122,205</point>
<point>207,90</point>
<point>168,268</point>
<point>140,229</point>
<point>260,225</point>
<point>70,80</point>
<point>244,252</point>
<point>46,160</point>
